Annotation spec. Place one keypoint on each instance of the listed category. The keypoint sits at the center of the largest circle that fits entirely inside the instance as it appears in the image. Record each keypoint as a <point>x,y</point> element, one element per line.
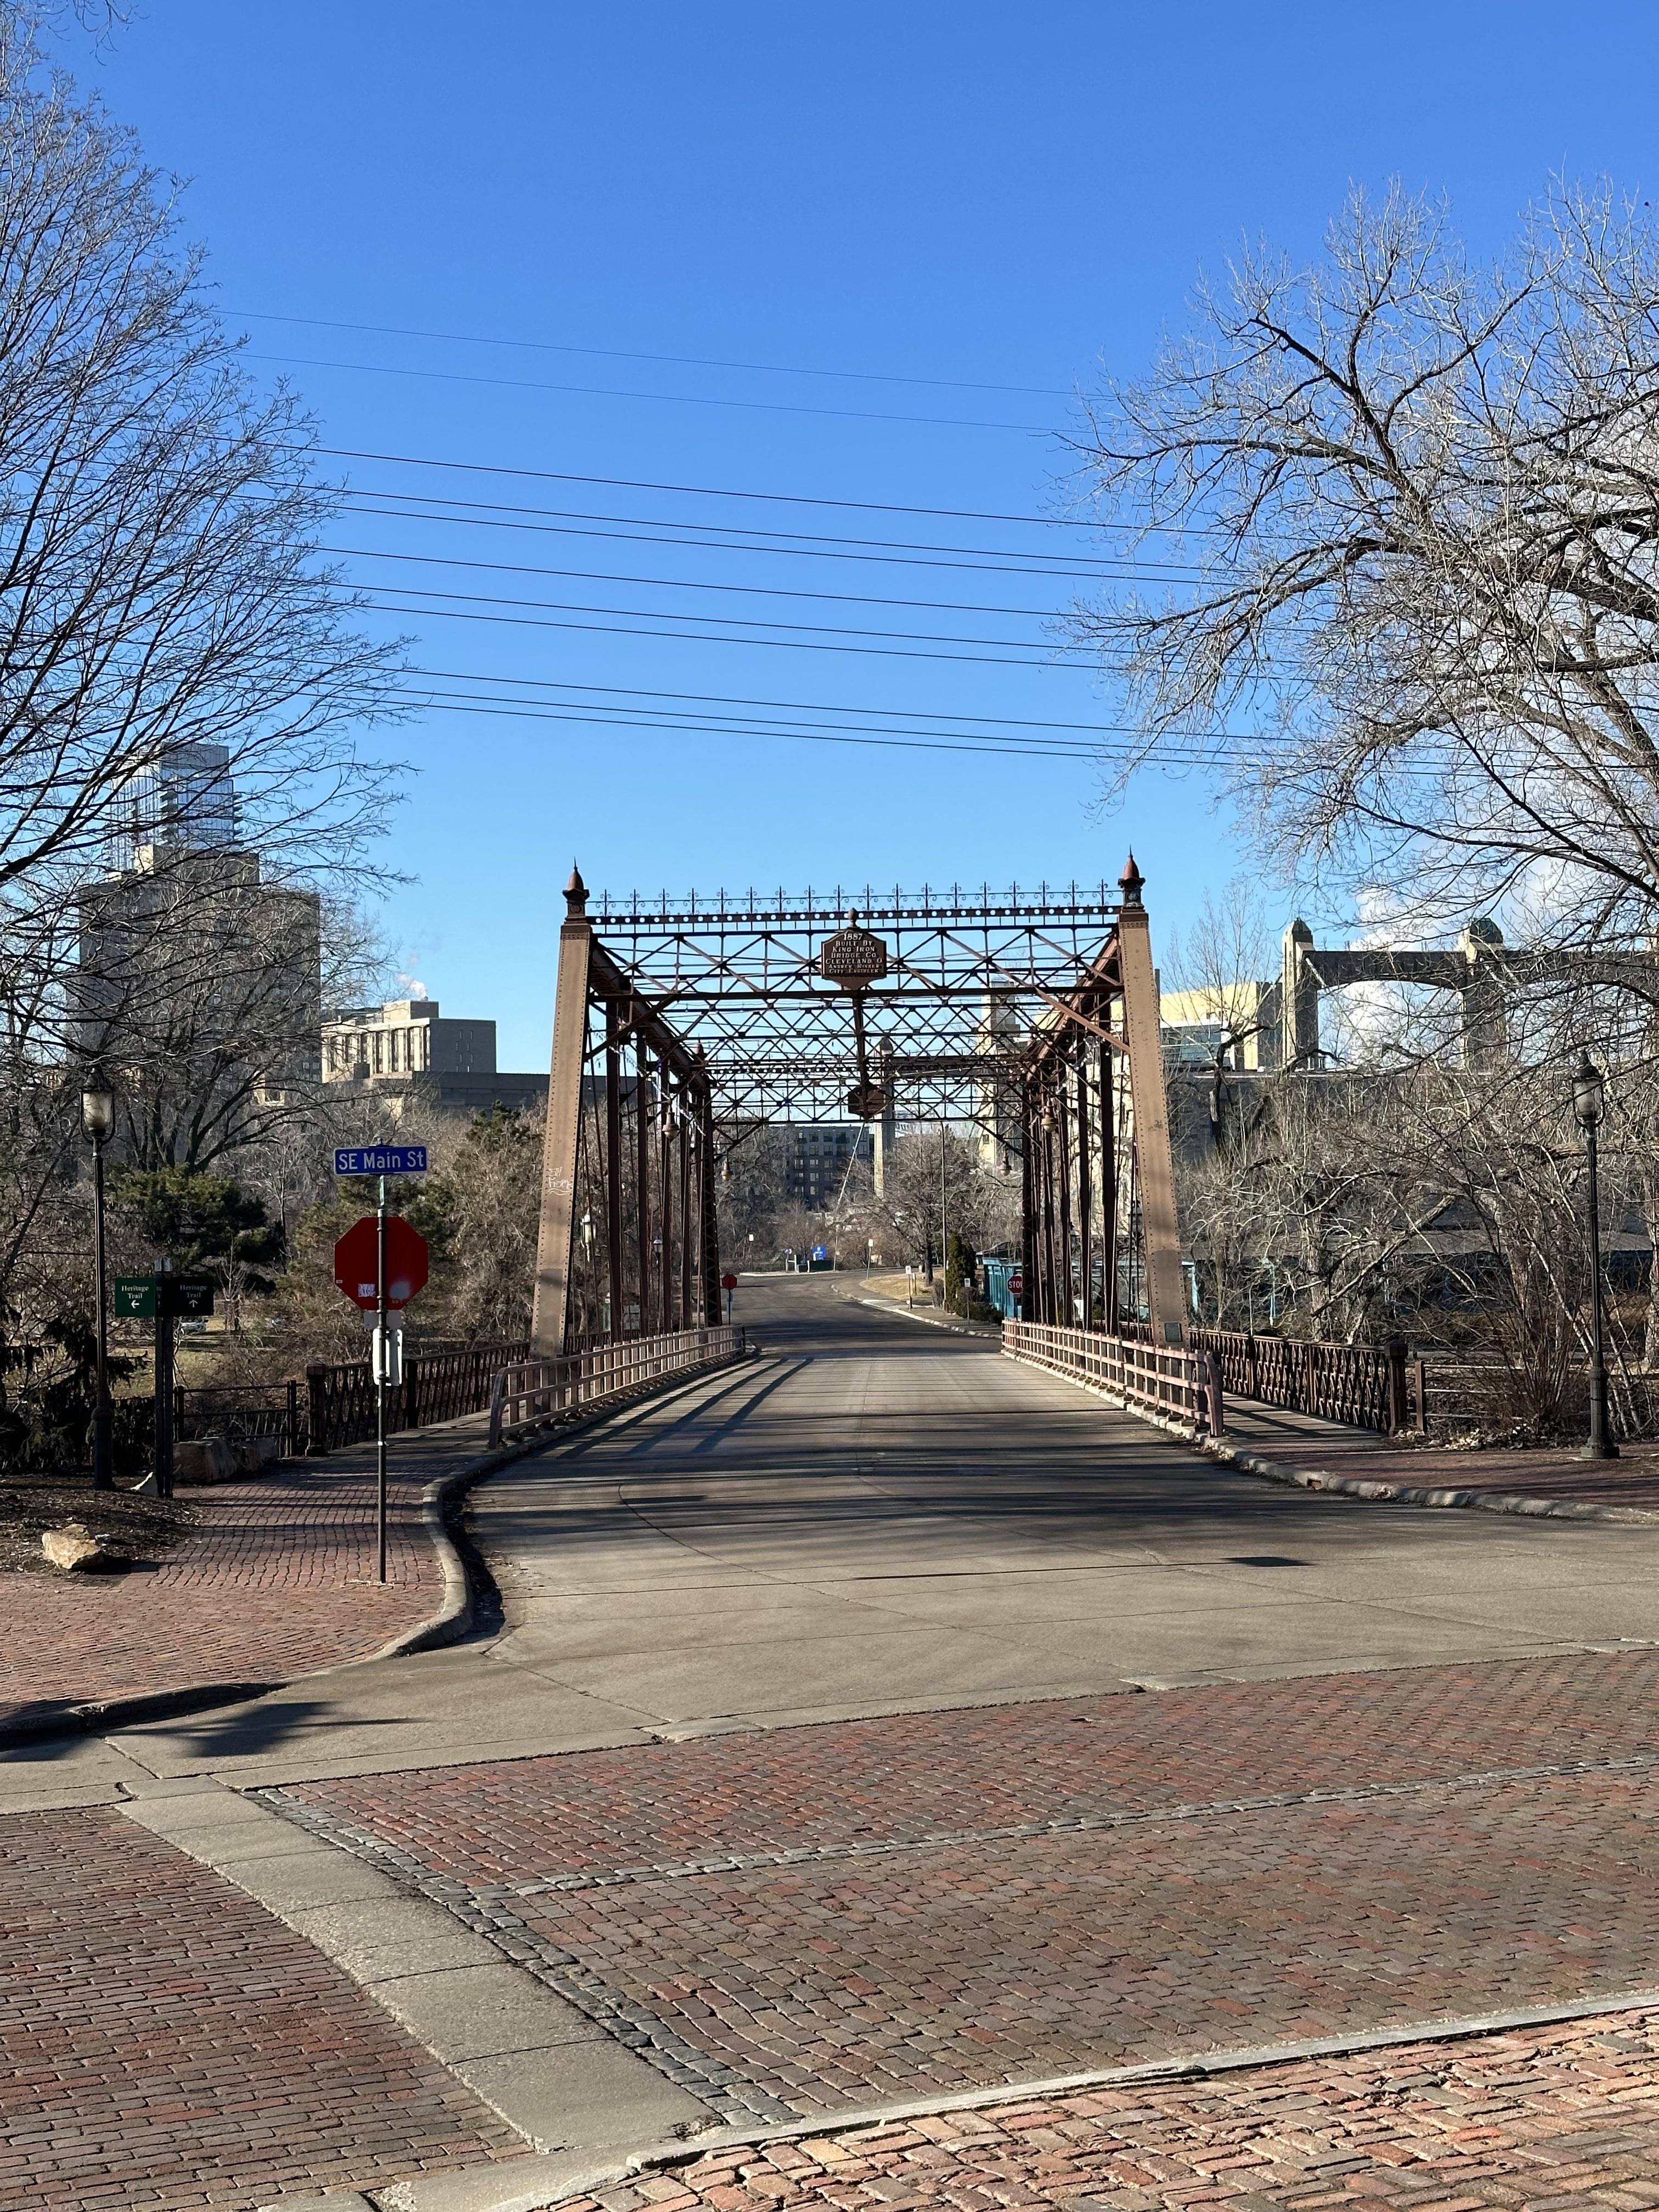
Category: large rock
<point>204,1458</point>
<point>75,1548</point>
<point>254,1455</point>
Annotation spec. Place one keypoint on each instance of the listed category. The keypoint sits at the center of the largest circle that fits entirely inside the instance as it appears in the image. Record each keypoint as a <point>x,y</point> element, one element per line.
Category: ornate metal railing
<point>1365,1385</point>
<point>536,1390</point>
<point>436,1386</point>
<point>1156,1379</point>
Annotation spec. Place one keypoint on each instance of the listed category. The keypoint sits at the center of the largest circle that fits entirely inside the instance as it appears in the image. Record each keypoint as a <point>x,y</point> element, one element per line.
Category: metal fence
<point>1364,1386</point>
<point>1151,1376</point>
<point>535,1390</point>
<point>339,1401</point>
<point>240,1412</point>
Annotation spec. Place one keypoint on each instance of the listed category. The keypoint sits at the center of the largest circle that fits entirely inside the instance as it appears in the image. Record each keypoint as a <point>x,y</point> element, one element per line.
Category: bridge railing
<point>436,1386</point>
<point>1156,1378</point>
<point>534,1390</point>
<point>1364,1386</point>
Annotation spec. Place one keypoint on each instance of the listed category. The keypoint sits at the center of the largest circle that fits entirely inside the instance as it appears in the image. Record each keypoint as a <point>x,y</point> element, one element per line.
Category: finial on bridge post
<point>1130,882</point>
<point>575,892</point>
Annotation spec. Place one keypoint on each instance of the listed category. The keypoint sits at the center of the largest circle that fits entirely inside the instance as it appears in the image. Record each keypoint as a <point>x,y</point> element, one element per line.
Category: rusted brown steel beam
<point>642,1197</point>
<point>686,1253</point>
<point>665,1207</point>
<point>1067,1302</point>
<point>1108,1217</point>
<point>1085,1186</point>
<point>1050,1281</point>
<point>708,1225</point>
<point>611,1166</point>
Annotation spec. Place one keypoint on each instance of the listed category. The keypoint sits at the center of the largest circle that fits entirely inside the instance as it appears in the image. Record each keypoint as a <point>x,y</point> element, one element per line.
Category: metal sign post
<point>164,1343</point>
<point>380,1161</point>
<point>380,1365</point>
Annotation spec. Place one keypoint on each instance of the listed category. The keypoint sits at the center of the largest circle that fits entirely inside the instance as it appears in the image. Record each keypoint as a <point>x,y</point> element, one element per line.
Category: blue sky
<point>962,195</point>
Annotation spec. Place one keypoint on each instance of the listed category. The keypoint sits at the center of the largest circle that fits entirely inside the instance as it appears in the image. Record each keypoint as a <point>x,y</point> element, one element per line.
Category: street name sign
<point>357,1260</point>
<point>379,1159</point>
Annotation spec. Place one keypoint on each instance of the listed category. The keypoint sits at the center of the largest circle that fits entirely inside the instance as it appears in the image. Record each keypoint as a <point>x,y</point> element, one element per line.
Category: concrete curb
<point>453,1619</point>
<point>929,1321</point>
<point>1521,1504</point>
<point>508,2195</point>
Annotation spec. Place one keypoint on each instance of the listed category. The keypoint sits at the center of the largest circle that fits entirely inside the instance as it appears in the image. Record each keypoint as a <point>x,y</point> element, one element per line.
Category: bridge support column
<point>550,1315</point>
<point>1154,1161</point>
<point>1298,1001</point>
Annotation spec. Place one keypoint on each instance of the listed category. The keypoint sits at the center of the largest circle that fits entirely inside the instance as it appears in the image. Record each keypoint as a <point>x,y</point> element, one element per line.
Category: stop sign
<point>1017,1284</point>
<point>728,1282</point>
<point>357,1259</point>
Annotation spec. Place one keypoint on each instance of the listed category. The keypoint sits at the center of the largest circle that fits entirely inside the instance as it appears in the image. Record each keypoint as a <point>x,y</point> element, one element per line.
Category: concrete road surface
<point>877,1515</point>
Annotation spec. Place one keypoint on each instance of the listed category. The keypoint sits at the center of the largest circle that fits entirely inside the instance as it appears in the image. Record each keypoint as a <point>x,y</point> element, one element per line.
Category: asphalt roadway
<point>876,1516</point>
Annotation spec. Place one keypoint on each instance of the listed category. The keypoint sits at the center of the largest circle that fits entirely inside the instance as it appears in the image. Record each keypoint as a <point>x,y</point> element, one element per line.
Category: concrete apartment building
<point>408,1049</point>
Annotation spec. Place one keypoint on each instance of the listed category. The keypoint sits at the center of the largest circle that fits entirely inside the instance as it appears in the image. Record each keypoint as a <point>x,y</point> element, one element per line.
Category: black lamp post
<point>1588,1098</point>
<point>98,1121</point>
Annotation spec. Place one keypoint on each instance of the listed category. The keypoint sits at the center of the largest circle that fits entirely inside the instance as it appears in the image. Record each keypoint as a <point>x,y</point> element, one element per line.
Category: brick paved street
<point>847,1914</point>
<point>277,1578</point>
<point>167,2042</point>
<point>1566,2118</point>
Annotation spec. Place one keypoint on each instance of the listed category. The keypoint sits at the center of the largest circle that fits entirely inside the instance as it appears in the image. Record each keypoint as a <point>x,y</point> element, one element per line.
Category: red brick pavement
<point>1412,1870</point>
<point>1566,2118</point>
<point>277,1578</point>
<point>165,2042</point>
<point>918,1774</point>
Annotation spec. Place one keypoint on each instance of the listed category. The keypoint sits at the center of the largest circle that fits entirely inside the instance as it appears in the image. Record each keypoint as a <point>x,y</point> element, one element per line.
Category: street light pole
<point>1588,1092</point>
<point>98,1121</point>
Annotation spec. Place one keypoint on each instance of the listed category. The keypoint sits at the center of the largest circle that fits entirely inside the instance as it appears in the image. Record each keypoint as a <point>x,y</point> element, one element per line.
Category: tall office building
<point>198,985</point>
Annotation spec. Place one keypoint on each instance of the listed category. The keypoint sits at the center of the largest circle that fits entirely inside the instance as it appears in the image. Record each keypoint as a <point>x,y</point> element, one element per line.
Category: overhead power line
<point>635,628</point>
<point>723,699</point>
<point>663,398</point>
<point>669,360</point>
<point>726,491</point>
<point>985,747</point>
<point>989,561</point>
<point>685,583</point>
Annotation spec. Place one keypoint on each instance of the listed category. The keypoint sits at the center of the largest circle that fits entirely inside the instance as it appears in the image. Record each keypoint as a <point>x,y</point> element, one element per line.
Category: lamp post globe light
<point>98,1122</point>
<point>1588,1101</point>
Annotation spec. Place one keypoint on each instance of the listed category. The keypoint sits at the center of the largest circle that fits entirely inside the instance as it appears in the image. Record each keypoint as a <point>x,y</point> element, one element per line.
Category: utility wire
<point>671,359</point>
<point>724,491</point>
<point>990,560</point>
<point>667,398</point>
<point>635,629</point>
<point>810,707</point>
<point>687,584</point>
<point>984,749</point>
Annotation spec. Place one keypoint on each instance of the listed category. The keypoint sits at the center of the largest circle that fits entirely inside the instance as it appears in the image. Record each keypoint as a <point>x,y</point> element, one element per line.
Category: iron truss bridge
<point>680,1025</point>
<point>968,976</point>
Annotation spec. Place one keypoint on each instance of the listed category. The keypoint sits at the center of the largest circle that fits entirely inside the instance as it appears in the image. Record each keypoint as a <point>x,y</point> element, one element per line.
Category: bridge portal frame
<point>999,1001</point>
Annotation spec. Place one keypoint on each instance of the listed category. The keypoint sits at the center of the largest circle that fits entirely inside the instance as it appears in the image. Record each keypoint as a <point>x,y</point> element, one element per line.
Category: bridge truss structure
<point>682,1025</point>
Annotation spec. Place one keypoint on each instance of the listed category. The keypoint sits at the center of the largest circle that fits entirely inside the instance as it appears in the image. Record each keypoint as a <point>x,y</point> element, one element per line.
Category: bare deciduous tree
<point>1422,499</point>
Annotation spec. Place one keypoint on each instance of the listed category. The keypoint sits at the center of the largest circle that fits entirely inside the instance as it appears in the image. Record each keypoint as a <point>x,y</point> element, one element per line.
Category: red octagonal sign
<point>357,1262</point>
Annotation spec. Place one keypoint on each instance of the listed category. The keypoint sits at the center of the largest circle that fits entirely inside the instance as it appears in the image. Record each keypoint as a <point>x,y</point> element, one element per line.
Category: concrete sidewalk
<point>1541,1480</point>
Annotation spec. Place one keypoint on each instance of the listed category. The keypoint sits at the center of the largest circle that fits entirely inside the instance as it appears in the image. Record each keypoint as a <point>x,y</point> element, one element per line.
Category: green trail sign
<point>141,1297</point>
